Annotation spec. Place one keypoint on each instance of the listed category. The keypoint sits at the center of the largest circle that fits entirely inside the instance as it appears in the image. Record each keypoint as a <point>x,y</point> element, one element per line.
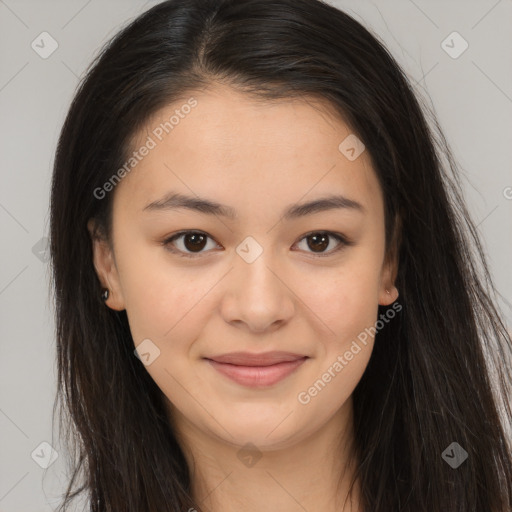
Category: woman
<point>267,295</point>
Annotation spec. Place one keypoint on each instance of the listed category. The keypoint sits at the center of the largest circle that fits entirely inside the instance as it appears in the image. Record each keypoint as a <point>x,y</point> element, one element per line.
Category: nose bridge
<point>257,293</point>
<point>254,264</point>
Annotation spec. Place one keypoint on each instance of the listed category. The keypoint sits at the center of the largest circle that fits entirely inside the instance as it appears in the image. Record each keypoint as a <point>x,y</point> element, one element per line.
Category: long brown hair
<point>436,375</point>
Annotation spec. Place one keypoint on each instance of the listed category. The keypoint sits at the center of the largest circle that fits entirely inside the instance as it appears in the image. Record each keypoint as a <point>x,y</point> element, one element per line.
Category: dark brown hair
<point>429,381</point>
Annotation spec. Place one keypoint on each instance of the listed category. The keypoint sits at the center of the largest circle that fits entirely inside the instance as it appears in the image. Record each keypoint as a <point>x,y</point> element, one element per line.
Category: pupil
<point>323,244</point>
<point>198,241</point>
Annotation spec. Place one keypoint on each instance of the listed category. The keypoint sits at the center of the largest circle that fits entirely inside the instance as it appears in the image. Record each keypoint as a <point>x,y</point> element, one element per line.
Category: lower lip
<point>257,376</point>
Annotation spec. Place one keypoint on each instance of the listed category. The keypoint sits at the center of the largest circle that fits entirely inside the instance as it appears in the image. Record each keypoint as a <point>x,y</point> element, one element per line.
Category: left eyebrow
<point>174,201</point>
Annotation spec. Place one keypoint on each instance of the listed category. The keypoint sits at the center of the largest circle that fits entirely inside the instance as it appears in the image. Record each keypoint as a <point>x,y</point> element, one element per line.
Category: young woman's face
<point>260,280</point>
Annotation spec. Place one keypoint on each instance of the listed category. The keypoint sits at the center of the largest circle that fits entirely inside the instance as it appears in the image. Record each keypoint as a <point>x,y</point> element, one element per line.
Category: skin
<point>257,157</point>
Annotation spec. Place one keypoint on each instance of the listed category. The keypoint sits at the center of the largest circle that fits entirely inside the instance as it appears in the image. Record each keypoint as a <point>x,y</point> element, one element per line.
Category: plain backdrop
<point>470,90</point>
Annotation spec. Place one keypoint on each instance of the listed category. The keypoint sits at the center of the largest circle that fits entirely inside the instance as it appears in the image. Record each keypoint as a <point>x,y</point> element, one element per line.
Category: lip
<point>254,359</point>
<point>257,370</point>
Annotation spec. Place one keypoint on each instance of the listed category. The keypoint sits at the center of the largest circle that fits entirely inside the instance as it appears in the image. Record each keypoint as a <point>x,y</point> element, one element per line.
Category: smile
<point>257,376</point>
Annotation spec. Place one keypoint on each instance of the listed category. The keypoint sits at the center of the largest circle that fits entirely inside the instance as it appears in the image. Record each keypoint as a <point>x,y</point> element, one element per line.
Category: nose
<point>257,295</point>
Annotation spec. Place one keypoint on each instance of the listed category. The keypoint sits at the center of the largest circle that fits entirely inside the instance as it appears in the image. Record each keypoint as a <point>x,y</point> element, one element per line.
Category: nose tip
<point>258,296</point>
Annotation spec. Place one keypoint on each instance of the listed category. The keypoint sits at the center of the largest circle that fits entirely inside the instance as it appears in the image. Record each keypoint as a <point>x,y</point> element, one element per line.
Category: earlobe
<point>388,295</point>
<point>106,270</point>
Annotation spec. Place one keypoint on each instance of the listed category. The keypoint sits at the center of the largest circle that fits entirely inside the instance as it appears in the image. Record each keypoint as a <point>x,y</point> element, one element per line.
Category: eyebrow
<point>173,201</point>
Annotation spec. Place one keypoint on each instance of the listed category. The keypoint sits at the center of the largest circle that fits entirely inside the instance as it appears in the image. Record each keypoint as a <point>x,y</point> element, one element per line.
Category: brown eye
<point>194,241</point>
<point>319,241</point>
<point>188,243</point>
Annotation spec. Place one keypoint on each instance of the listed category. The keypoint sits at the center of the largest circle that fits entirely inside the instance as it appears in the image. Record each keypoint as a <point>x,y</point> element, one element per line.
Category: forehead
<point>241,150</point>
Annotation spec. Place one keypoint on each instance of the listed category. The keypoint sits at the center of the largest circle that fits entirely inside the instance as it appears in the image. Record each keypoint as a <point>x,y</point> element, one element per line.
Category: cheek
<point>169,307</point>
<point>161,299</point>
<point>345,300</point>
<point>348,306</point>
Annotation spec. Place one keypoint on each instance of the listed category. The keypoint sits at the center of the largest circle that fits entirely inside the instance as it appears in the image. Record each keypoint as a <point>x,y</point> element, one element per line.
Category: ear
<point>390,267</point>
<point>104,263</point>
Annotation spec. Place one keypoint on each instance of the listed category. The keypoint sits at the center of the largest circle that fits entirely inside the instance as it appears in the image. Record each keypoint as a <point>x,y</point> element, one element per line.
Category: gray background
<point>471,94</point>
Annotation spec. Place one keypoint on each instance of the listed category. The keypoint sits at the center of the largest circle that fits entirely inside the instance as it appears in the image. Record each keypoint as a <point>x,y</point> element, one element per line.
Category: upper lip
<point>252,359</point>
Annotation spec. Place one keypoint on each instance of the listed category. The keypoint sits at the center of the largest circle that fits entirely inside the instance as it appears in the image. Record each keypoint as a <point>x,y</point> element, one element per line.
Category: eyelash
<point>344,242</point>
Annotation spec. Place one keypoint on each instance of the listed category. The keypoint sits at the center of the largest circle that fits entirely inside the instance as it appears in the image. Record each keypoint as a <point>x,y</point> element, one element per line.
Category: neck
<point>312,474</point>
